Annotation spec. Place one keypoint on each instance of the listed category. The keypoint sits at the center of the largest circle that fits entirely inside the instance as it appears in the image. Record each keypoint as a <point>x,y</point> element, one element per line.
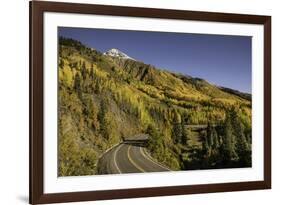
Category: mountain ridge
<point>143,71</point>
<point>122,56</point>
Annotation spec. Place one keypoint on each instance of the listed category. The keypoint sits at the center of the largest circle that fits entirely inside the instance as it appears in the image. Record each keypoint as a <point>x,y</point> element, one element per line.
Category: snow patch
<point>114,52</point>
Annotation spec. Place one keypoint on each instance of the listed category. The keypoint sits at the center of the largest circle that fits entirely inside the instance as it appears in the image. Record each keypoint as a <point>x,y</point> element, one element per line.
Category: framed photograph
<point>139,102</point>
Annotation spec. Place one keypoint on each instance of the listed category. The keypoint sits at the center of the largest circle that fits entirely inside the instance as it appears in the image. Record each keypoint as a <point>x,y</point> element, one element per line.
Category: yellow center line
<point>132,161</point>
<point>114,159</point>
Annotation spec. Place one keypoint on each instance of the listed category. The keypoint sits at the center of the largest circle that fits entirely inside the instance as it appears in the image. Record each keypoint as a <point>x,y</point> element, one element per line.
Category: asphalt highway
<point>128,158</point>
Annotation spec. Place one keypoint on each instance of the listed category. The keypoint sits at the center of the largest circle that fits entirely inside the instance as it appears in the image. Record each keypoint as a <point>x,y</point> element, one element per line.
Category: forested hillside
<point>103,99</point>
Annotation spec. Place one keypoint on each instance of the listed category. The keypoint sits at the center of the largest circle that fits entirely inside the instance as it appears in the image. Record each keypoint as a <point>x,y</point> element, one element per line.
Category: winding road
<point>128,157</point>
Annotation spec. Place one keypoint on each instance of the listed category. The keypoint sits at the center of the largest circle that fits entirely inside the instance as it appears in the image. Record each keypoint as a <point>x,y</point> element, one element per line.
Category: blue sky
<point>220,59</point>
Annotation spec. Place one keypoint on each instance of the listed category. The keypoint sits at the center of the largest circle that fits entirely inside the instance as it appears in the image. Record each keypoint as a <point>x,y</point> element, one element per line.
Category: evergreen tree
<point>103,120</point>
<point>228,146</point>
<point>84,71</point>
<point>98,86</point>
<point>210,135</point>
<point>186,133</point>
<point>210,143</point>
<point>177,128</point>
<point>206,149</point>
<point>242,147</point>
<point>215,137</point>
<point>77,84</point>
<point>92,72</point>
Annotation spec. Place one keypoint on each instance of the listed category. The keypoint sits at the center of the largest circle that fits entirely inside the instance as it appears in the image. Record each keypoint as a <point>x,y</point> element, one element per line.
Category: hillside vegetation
<point>103,99</point>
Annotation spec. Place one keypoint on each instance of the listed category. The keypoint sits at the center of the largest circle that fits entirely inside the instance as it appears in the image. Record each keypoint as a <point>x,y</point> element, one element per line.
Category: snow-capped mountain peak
<point>114,52</point>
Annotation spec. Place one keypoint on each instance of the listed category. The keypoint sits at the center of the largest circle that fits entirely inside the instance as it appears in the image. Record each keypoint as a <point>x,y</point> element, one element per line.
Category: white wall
<point>14,101</point>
